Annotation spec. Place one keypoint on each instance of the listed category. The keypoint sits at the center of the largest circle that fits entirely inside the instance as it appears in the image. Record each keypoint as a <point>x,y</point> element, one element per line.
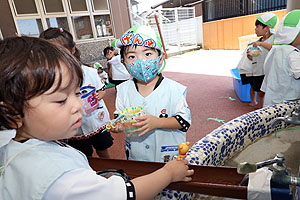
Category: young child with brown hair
<point>96,114</point>
<point>40,98</point>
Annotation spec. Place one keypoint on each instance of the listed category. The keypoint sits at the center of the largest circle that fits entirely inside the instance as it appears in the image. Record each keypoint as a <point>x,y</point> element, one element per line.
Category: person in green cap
<point>257,52</point>
<point>102,74</point>
<point>168,116</point>
<point>282,69</point>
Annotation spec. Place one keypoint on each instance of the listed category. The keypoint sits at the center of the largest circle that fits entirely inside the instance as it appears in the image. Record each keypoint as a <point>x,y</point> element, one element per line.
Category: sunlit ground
<point>210,62</point>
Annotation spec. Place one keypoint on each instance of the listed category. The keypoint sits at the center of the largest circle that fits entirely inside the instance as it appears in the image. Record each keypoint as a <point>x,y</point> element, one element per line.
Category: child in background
<point>90,133</point>
<point>40,98</point>
<point>282,70</point>
<point>265,28</point>
<point>116,70</point>
<point>102,74</point>
<point>168,115</point>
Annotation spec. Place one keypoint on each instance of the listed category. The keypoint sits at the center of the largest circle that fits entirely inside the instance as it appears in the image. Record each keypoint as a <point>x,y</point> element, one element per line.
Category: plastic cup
<point>129,119</point>
<point>254,51</point>
<point>89,101</point>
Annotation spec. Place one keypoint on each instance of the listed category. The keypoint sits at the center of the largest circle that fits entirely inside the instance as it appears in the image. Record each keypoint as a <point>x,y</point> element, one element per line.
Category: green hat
<point>143,36</point>
<point>113,44</point>
<point>97,65</point>
<point>289,28</point>
<point>140,35</point>
<point>269,19</point>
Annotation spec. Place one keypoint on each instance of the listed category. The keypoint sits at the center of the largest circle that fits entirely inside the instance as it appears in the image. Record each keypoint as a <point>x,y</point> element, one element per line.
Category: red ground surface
<point>207,97</point>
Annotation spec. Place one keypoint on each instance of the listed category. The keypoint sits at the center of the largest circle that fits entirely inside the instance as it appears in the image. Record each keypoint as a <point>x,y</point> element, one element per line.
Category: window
<point>25,7</point>
<point>58,22</point>
<point>77,5</point>
<point>103,25</point>
<point>52,6</point>
<point>100,5</point>
<point>34,24</point>
<point>84,19</point>
<point>82,27</point>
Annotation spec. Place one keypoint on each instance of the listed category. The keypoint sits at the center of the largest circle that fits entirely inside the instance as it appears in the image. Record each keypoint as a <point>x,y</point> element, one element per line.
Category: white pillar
<point>292,4</point>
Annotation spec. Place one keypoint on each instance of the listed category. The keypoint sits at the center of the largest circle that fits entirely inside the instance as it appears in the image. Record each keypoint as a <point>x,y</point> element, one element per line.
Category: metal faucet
<point>293,119</point>
<point>280,174</point>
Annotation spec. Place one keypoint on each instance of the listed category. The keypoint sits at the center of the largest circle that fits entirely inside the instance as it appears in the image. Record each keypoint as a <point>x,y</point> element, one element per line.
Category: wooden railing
<point>209,180</point>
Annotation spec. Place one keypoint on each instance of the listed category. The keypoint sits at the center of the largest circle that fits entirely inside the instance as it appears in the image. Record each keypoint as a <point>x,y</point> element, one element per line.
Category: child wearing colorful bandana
<point>282,70</point>
<point>168,116</point>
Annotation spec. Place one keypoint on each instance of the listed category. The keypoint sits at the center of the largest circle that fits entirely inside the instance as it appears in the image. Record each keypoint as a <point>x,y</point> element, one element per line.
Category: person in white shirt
<point>282,70</point>
<point>168,116</point>
<point>252,70</point>
<point>116,70</point>
<point>102,74</point>
<point>91,134</point>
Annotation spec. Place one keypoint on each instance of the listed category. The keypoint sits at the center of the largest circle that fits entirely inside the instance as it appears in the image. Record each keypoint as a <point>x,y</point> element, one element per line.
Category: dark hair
<point>64,38</point>
<point>124,50</point>
<point>106,50</point>
<point>257,22</point>
<point>60,36</point>
<point>28,68</point>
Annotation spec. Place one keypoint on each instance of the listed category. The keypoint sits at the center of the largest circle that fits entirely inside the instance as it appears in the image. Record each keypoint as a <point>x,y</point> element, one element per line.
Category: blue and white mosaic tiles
<point>233,137</point>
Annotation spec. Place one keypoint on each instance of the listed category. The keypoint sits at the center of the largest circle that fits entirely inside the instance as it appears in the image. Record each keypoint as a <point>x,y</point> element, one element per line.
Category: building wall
<point>224,34</point>
<point>198,9</point>
<point>90,51</point>
<point>121,16</point>
<point>6,20</point>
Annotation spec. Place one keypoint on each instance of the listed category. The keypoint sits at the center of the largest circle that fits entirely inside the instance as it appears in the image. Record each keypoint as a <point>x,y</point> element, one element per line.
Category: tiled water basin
<point>286,141</point>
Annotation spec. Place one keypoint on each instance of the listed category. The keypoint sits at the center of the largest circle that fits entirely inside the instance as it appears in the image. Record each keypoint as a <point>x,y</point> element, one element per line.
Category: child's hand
<point>248,55</point>
<point>99,94</point>
<point>179,170</point>
<point>117,127</point>
<point>255,44</point>
<point>146,123</point>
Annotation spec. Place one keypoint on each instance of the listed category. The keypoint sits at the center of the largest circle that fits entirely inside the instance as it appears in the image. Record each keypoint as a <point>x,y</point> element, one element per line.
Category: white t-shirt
<point>119,72</point>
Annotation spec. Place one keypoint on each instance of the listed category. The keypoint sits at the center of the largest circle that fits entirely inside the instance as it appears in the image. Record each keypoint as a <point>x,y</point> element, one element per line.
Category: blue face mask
<point>144,69</point>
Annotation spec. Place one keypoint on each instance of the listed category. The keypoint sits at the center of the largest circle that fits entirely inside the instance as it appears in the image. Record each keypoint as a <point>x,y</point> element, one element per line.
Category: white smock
<point>6,136</point>
<point>118,70</point>
<point>245,65</point>
<point>258,61</point>
<point>254,67</point>
<point>97,120</point>
<point>159,145</point>
<point>281,75</point>
<point>38,169</point>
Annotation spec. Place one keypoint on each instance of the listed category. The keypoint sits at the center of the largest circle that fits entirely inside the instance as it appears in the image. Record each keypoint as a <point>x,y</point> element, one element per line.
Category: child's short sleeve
<point>183,113</point>
<point>86,184</point>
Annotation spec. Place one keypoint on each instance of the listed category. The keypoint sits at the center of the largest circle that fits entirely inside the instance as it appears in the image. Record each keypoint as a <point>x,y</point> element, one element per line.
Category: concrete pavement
<point>210,62</point>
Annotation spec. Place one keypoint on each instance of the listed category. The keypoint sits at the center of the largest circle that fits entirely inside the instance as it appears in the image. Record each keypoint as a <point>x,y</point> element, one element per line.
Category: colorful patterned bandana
<point>144,69</point>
